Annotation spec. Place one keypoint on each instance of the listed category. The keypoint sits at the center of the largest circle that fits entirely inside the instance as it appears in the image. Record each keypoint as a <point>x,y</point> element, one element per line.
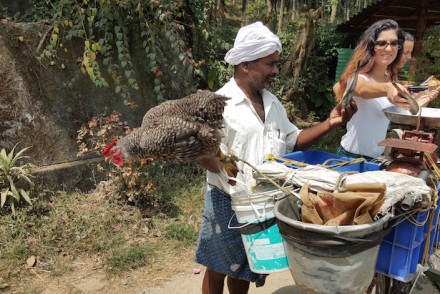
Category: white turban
<point>253,41</point>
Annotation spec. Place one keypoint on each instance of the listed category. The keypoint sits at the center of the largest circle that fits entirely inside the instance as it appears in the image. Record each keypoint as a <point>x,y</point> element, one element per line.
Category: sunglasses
<point>382,44</point>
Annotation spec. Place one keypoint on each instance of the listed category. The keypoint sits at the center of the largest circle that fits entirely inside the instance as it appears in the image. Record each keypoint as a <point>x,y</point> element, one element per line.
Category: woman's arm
<point>371,90</point>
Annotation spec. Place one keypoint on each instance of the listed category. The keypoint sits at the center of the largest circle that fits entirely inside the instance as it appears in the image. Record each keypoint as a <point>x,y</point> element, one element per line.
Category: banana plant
<point>14,179</point>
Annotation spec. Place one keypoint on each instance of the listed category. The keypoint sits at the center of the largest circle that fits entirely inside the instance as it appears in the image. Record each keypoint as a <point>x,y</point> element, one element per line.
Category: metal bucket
<point>329,259</point>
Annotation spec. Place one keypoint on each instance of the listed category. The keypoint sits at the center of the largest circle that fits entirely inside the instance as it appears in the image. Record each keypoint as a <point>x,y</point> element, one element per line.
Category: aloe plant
<point>14,179</point>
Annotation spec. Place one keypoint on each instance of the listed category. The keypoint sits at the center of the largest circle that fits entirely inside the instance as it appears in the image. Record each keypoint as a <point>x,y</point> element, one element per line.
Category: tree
<point>243,13</point>
<point>280,17</point>
<point>293,10</point>
<point>298,58</point>
<point>221,11</point>
<point>334,4</point>
<point>269,8</point>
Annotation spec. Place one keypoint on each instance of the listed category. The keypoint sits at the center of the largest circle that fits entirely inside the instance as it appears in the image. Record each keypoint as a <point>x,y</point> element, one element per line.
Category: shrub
<point>14,178</point>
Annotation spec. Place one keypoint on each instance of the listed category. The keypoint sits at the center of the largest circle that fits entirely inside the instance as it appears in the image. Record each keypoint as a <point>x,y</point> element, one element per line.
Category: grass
<point>64,227</point>
<point>131,258</point>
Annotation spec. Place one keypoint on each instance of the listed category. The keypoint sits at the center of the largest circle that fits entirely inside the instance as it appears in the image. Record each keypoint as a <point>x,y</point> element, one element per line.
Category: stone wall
<point>37,108</point>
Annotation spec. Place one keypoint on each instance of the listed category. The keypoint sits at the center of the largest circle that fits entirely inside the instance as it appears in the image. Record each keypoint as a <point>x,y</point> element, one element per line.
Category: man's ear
<point>245,66</point>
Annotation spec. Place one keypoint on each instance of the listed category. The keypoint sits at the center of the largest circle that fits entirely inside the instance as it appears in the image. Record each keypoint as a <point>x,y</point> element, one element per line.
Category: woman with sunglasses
<point>378,50</point>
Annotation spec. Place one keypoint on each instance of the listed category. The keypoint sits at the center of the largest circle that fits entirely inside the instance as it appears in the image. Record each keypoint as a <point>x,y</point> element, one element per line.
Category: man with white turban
<point>255,125</point>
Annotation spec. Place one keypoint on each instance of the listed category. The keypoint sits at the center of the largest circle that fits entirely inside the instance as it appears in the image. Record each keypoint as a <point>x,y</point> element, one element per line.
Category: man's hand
<point>340,116</point>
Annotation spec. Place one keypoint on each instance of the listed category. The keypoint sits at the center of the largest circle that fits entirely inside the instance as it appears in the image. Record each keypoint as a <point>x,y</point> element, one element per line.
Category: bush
<point>14,178</point>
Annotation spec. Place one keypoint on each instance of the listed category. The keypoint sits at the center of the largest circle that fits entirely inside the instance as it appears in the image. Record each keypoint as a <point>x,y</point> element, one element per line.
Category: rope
<point>409,216</point>
<point>324,164</point>
<point>286,160</point>
<point>236,158</point>
<point>342,162</point>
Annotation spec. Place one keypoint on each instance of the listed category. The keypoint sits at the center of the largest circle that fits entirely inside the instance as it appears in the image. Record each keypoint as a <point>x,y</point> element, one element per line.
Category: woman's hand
<point>395,98</point>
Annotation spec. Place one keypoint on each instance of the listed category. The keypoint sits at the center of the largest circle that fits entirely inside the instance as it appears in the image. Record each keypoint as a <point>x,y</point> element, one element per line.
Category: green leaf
<point>131,81</point>
<point>117,89</point>
<point>318,102</point>
<point>25,196</point>
<point>5,192</point>
<point>26,178</point>
<point>123,63</point>
<point>14,190</point>
<point>127,74</point>
<point>190,70</point>
<point>18,155</point>
<point>3,155</point>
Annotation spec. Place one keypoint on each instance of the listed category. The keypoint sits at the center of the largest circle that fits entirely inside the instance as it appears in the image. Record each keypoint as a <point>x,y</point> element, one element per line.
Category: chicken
<point>177,131</point>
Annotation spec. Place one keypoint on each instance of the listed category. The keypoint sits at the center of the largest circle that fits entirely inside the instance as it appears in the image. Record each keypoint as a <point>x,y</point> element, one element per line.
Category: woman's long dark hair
<point>364,52</point>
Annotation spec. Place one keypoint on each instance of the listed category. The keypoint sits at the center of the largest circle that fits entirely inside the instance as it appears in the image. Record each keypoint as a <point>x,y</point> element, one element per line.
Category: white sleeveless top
<point>367,127</point>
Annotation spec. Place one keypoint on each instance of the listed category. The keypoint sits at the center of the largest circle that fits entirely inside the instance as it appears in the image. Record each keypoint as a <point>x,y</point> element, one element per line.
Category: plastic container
<point>399,251</point>
<point>329,259</point>
<point>431,232</point>
<point>436,238</point>
<point>260,234</point>
<point>319,157</point>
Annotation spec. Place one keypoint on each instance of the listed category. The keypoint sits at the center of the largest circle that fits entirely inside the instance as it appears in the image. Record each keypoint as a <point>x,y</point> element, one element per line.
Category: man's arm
<point>213,164</point>
<point>338,117</point>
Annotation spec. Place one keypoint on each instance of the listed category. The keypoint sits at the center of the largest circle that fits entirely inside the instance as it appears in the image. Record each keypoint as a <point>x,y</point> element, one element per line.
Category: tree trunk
<point>422,11</point>
<point>280,17</point>
<point>333,15</point>
<point>209,14</point>
<point>346,10</point>
<point>293,9</point>
<point>243,13</point>
<point>221,12</point>
<point>214,16</point>
<point>298,58</point>
<point>269,8</point>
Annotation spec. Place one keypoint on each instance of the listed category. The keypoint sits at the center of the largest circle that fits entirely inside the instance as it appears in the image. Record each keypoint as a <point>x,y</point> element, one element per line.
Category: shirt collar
<point>268,99</point>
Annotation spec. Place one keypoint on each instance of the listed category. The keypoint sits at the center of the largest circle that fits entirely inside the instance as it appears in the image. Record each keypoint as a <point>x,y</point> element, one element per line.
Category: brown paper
<point>358,204</point>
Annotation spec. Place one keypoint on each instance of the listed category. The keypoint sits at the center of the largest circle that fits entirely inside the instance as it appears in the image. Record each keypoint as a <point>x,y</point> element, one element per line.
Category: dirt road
<point>276,283</point>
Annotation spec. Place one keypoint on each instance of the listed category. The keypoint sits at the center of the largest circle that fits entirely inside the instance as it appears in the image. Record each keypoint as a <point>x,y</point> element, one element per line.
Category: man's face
<point>262,72</point>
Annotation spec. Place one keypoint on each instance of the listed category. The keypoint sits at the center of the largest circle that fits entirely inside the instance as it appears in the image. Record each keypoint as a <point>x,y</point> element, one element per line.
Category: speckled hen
<point>177,131</point>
